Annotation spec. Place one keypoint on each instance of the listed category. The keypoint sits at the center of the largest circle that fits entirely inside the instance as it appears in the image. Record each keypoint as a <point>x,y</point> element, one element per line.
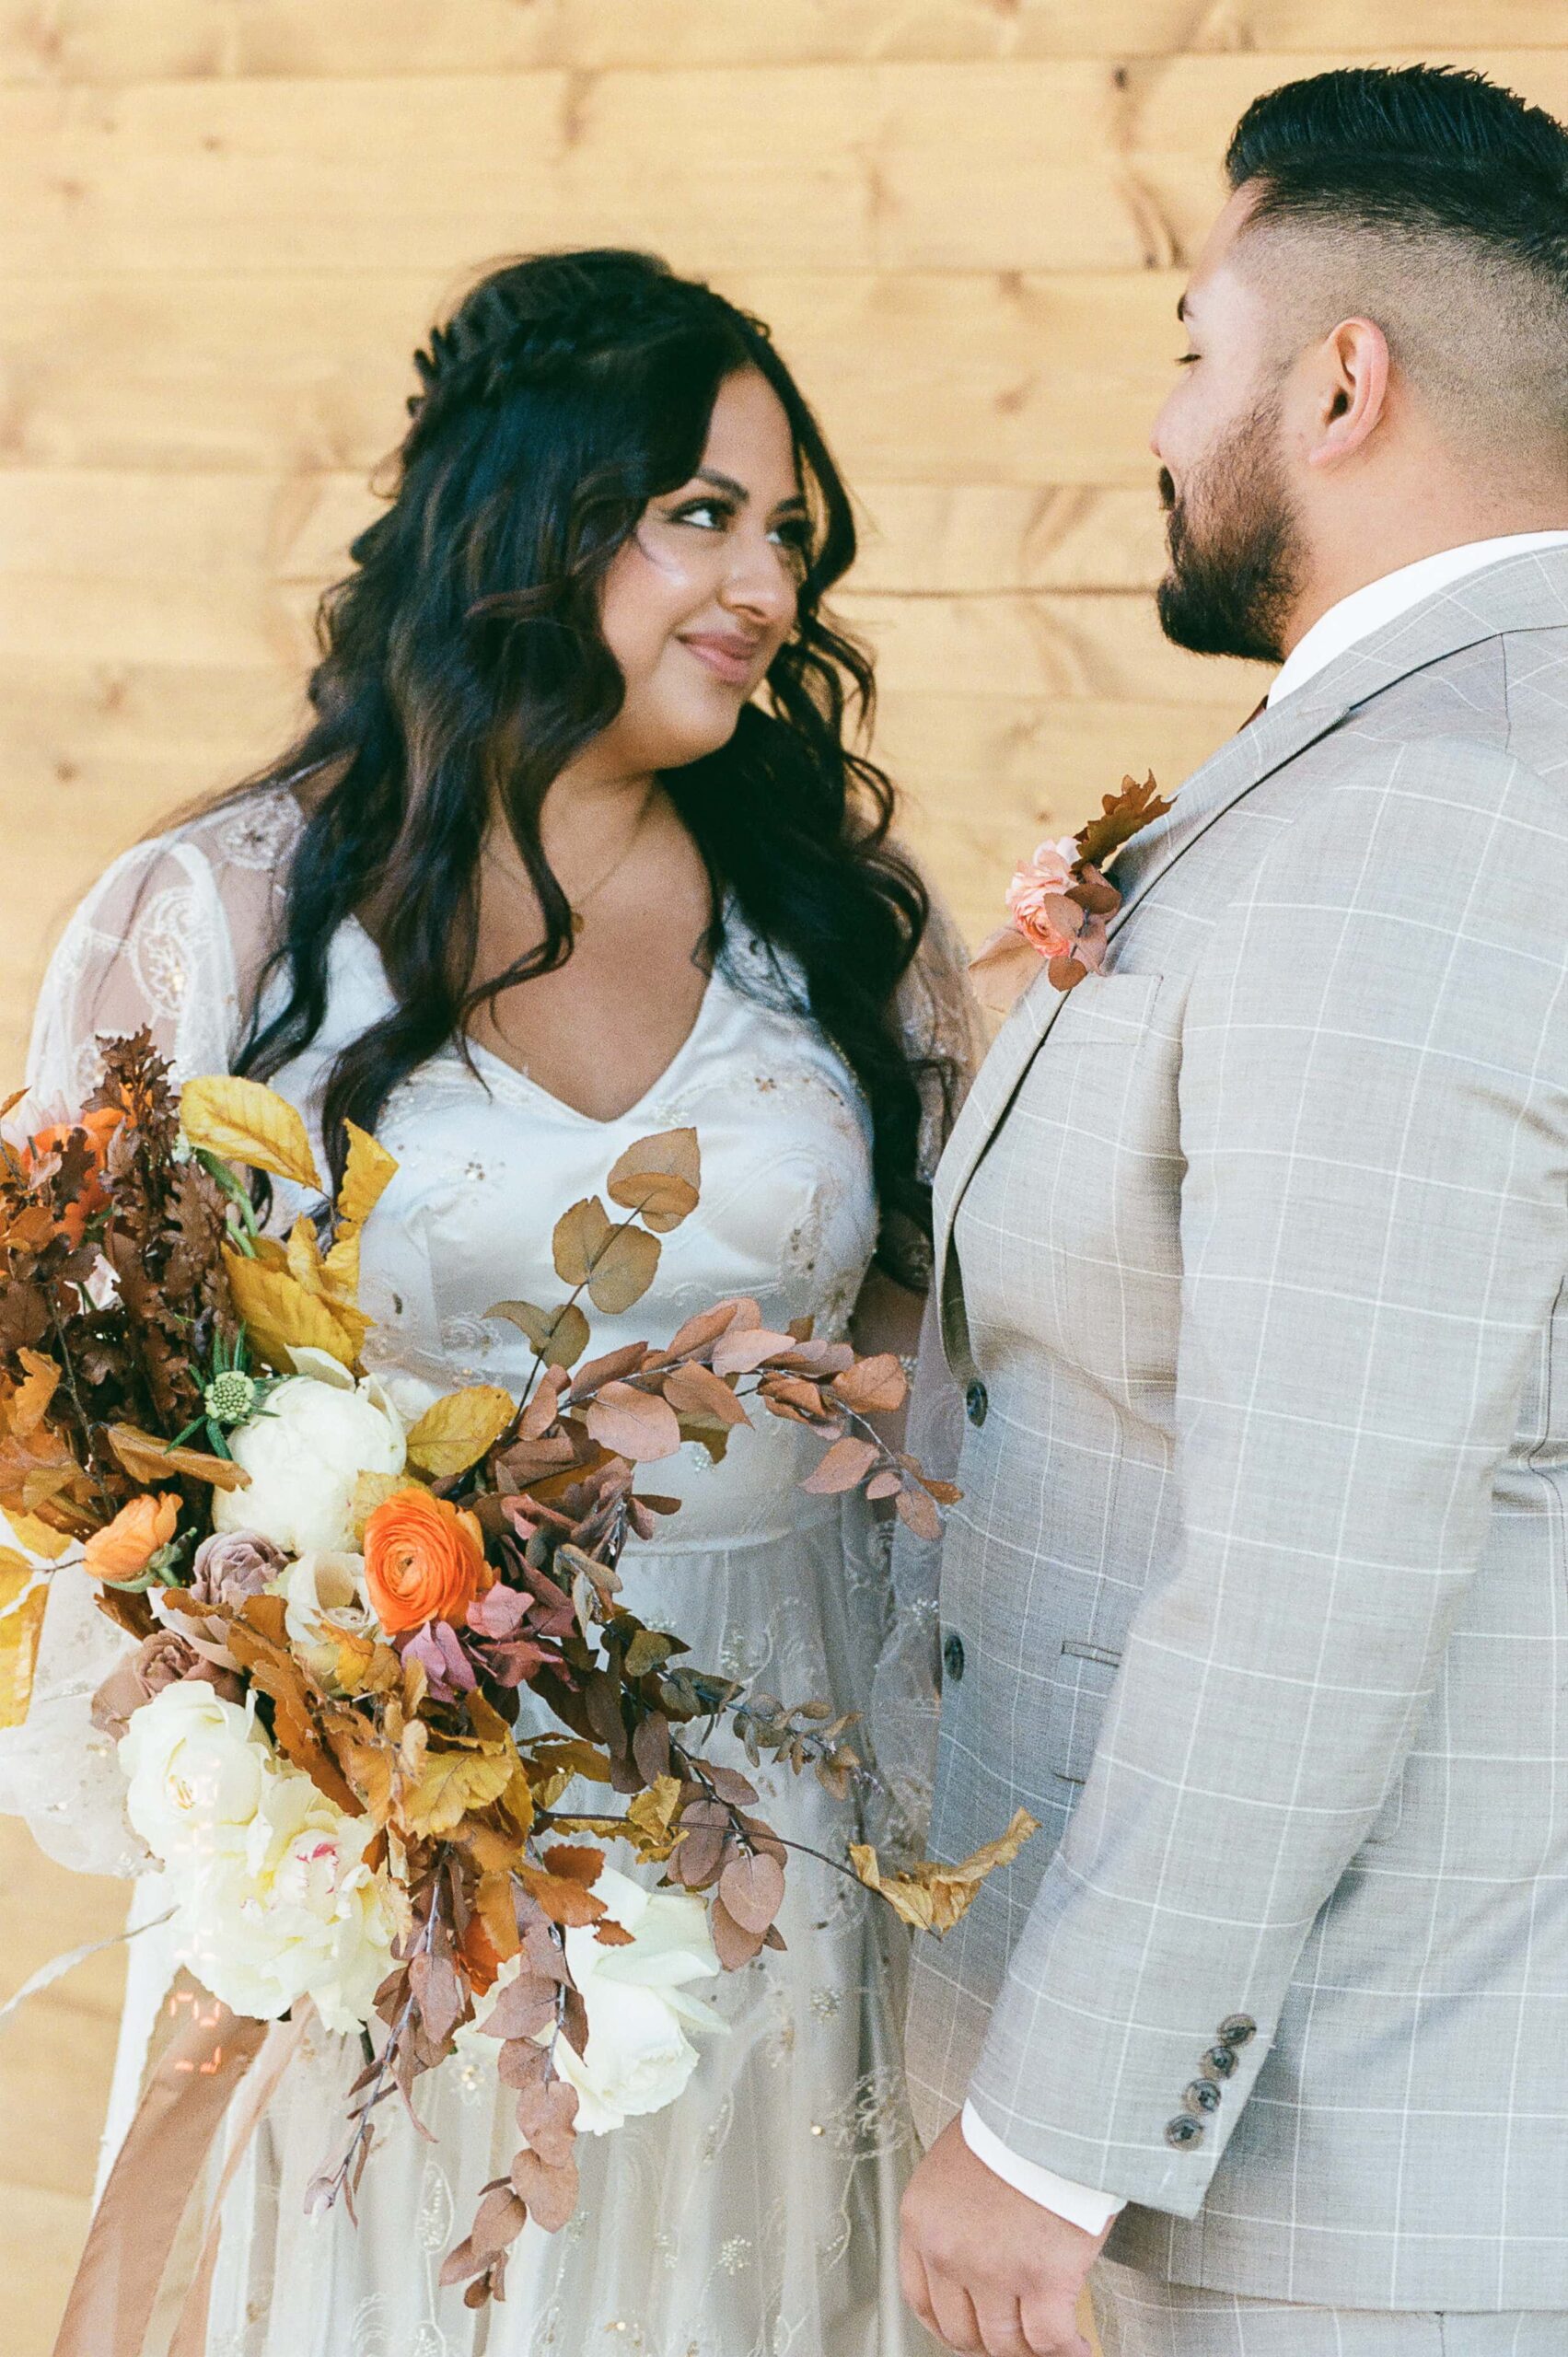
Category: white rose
<point>296,1913</point>
<point>325,1591</point>
<point>303,1451</point>
<point>639,2057</point>
<point>196,1767</point>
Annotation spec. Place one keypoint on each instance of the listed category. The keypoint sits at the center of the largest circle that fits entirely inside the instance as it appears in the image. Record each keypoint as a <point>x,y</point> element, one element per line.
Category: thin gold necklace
<point>578,906</point>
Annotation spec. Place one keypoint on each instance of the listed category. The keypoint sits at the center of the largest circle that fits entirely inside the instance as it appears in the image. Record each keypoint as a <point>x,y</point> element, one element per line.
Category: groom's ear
<point>1345,391</point>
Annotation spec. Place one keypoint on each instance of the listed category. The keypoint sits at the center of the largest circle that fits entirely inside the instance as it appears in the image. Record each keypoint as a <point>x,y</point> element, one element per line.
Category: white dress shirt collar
<point>1367,610</point>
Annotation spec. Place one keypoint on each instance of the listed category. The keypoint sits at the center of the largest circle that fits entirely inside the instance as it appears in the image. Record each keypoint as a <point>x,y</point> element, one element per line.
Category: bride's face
<point>703,597</point>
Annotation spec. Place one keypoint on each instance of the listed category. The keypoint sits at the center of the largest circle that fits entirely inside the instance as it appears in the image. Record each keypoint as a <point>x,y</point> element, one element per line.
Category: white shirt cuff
<point>1081,2205</point>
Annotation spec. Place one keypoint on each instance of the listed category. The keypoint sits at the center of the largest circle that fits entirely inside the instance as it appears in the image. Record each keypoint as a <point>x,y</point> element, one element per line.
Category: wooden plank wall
<point>226,223</point>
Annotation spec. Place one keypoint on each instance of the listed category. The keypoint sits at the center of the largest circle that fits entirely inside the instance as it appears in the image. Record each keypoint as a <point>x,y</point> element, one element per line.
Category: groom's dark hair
<point>1434,202</point>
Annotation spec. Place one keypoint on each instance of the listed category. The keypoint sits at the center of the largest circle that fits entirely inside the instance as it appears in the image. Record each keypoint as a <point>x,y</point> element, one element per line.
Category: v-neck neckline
<point>511,1075</point>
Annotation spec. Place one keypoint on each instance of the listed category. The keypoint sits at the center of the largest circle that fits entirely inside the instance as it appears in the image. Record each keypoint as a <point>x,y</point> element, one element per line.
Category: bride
<point>574,850</point>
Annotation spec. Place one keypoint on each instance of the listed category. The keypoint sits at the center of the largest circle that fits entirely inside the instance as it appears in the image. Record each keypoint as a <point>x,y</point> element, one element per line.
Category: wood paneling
<point>137,39</point>
<point>1060,164</point>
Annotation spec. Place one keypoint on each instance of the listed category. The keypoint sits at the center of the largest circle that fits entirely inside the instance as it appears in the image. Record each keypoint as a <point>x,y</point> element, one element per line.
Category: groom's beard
<point>1235,548</point>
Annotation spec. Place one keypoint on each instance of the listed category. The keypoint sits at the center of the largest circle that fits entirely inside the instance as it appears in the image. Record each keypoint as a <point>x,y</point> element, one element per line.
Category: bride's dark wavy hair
<point>463,666</point>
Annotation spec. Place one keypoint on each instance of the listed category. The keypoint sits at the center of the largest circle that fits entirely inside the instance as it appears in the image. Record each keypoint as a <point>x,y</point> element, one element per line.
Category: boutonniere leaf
<point>1059,903</point>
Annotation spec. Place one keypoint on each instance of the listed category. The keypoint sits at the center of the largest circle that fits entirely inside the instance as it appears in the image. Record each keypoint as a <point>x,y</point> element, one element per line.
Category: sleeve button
<point>1219,2062</point>
<point>1202,2098</point>
<point>977,1404</point>
<point>1183,2130</point>
<point>1237,2029</point>
<point>953,1655</point>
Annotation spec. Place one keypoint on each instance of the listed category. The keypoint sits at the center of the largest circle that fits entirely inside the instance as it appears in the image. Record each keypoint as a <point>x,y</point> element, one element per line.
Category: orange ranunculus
<point>424,1561</point>
<point>99,1126</point>
<point>127,1545</point>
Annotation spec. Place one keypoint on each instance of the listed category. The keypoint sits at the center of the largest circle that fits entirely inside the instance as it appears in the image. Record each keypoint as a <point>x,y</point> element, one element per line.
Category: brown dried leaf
<point>28,1404</point>
<point>709,1324</point>
<point>933,1898</point>
<point>915,1510</point>
<point>575,1862</point>
<point>844,1467</point>
<point>563,1899</point>
<point>147,1459</point>
<point>550,2193</point>
<point>624,1270</point>
<point>581,1234</point>
<point>522,2008</point>
<point>498,2222</point>
<point>733,1943</point>
<point>635,1424</point>
<point>559,1336</point>
<point>547,2116</point>
<point>659,1179</point>
<point>694,1390</point>
<point>752,1889</point>
<point>873,1387</point>
<point>1122,815</point>
<point>743,1349</point>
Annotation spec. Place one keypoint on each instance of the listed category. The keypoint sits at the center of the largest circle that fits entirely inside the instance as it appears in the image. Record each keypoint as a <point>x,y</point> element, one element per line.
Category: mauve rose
<point>1046,878</point>
<point>163,1659</point>
<point>232,1565</point>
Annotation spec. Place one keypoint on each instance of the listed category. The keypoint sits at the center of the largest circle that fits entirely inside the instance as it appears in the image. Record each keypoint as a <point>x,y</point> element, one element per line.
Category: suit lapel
<point>1520,593</point>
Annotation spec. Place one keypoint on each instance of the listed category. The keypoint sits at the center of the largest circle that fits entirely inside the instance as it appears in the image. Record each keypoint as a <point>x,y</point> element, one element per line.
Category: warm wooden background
<point>226,223</point>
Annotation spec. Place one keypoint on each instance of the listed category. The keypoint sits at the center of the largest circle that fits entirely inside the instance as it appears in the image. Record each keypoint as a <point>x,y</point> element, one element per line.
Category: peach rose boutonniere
<point>424,1561</point>
<point>1059,903</point>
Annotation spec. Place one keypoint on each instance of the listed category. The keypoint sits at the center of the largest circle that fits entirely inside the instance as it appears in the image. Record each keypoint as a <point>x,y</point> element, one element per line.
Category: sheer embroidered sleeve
<point>167,939</point>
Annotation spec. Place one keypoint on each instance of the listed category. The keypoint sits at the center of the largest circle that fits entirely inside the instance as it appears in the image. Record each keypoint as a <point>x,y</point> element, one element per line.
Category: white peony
<point>323,1593</point>
<point>303,1451</point>
<point>296,1913</point>
<point>195,1767</point>
<point>639,2057</point>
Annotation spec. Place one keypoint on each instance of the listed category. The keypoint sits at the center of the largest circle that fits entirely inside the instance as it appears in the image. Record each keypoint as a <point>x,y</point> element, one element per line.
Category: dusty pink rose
<point>161,1660</point>
<point>232,1565</point>
<point>1047,878</point>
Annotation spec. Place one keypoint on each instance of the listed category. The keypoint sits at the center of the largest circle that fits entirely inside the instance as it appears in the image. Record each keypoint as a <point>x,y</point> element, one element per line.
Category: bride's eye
<point>794,535</point>
<point>707,514</point>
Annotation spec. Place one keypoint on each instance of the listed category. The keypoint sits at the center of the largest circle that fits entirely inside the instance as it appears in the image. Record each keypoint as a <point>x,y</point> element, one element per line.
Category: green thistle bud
<point>229,1397</point>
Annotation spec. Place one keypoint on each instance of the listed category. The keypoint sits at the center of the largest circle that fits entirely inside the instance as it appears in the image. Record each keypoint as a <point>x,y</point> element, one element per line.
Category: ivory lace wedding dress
<point>757,2214</point>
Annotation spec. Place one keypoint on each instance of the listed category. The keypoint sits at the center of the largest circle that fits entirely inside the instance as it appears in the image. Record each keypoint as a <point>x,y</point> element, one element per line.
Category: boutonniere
<point>1059,903</point>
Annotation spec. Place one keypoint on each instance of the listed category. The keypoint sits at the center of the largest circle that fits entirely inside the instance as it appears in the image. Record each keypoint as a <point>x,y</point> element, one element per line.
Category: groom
<point>1255,1254</point>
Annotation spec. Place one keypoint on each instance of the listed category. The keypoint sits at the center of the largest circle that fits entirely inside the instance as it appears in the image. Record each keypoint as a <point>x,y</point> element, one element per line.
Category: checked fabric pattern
<point>1254,1252</point>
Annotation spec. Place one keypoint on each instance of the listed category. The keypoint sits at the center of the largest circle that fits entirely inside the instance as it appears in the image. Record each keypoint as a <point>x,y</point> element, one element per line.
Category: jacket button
<point>1183,2130</point>
<point>976,1403</point>
<point>1219,2062</point>
<point>1237,2029</point>
<point>1202,2096</point>
<point>953,1655</point>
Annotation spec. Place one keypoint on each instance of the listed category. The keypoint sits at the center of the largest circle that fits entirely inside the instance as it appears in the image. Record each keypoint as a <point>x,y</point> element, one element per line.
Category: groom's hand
<point>986,2269</point>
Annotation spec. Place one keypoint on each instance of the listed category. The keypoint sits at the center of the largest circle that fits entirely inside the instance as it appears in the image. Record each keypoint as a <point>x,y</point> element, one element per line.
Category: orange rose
<point>99,1126</point>
<point>127,1545</point>
<point>424,1561</point>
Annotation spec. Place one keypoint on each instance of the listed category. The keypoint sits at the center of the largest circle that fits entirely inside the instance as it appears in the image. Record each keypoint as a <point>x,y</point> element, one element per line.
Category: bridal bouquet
<point>380,1666</point>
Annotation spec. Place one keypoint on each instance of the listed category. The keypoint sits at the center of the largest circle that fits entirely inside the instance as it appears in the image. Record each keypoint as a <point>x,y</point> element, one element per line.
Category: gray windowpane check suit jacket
<point>1254,1252</point>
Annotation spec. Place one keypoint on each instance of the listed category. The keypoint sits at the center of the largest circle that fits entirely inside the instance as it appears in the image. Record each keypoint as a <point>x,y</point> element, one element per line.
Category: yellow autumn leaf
<point>455,1432</point>
<point>448,1785</point>
<point>650,1817</point>
<point>38,1538</point>
<point>28,1404</point>
<point>241,1120</point>
<point>24,1592</point>
<point>281,1316</point>
<point>305,1256</point>
<point>367,1174</point>
<point>933,1898</point>
<point>370,1490</point>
